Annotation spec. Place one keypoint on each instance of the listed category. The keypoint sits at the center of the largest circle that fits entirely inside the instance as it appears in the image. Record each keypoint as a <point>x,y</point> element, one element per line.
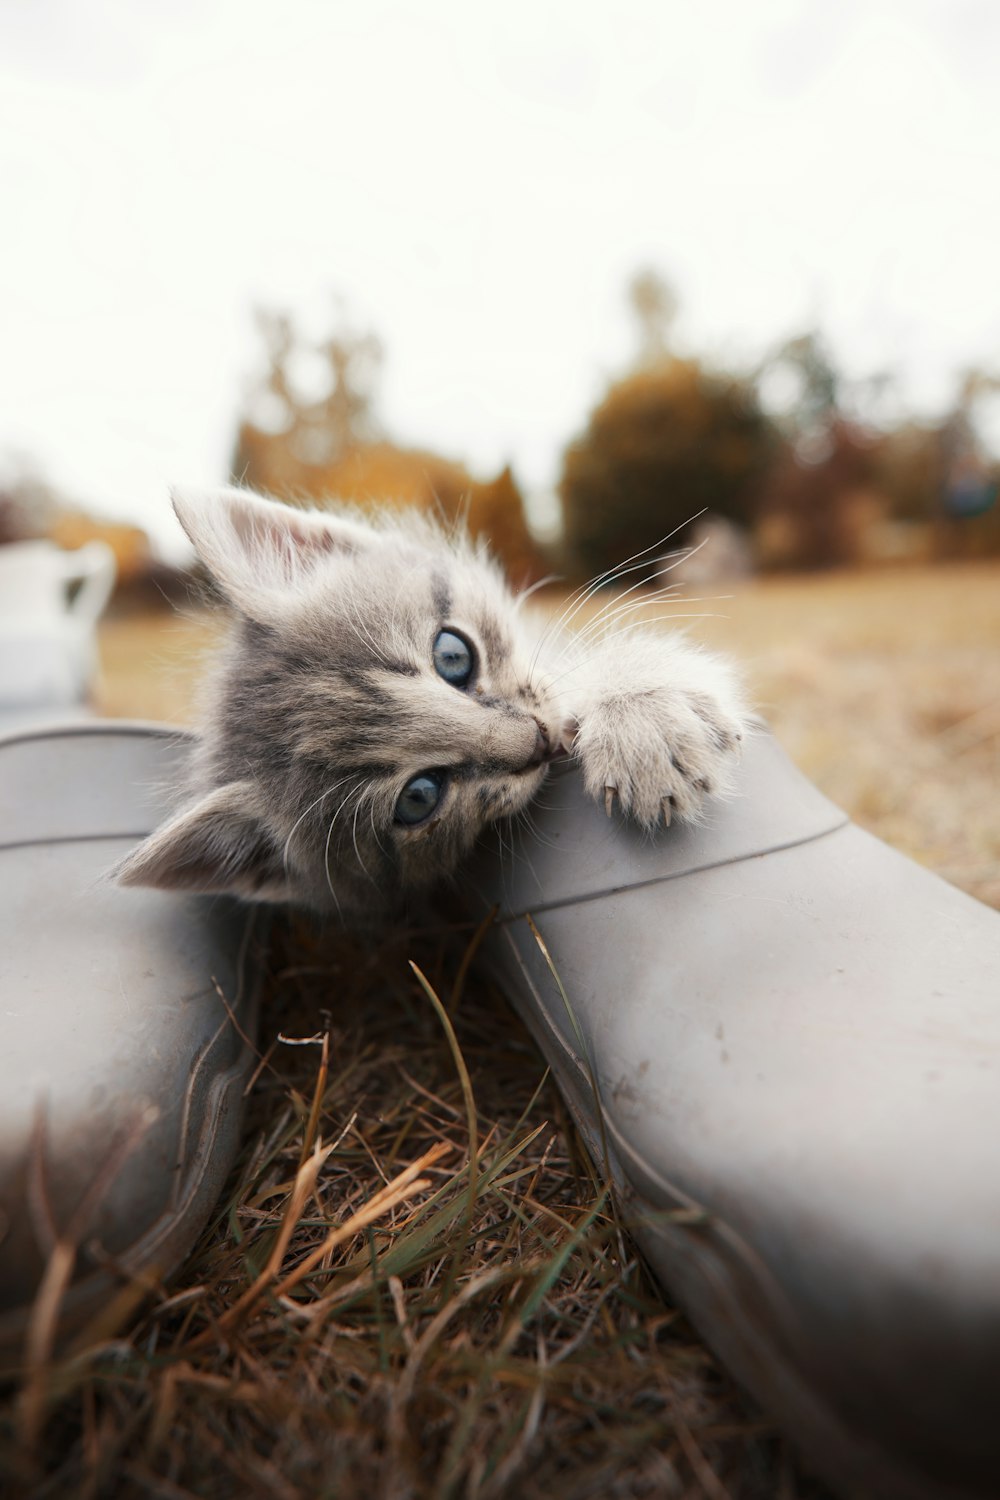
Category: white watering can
<point>50,601</point>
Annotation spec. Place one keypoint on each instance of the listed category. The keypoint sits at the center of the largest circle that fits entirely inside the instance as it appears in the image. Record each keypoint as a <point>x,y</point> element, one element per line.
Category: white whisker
<point>302,816</point>
<point>616,599</point>
<point>354,838</point>
<point>578,599</point>
<point>329,836</point>
<point>525,594</point>
<point>610,624</point>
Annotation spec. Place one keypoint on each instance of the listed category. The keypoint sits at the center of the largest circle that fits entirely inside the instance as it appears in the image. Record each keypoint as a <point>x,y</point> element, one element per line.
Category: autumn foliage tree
<point>667,442</point>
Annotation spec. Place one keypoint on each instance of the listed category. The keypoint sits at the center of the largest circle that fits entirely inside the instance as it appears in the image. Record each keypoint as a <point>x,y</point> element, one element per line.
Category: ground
<point>495,1336</point>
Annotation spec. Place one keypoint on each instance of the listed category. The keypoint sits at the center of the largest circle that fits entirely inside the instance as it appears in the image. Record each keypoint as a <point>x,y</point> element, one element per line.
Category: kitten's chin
<point>525,785</point>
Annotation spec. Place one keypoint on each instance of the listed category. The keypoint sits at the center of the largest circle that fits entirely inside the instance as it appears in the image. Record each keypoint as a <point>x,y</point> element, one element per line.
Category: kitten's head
<point>376,707</point>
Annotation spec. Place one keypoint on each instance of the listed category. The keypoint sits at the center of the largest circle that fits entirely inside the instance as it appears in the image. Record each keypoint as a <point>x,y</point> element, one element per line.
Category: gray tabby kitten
<point>383,697</point>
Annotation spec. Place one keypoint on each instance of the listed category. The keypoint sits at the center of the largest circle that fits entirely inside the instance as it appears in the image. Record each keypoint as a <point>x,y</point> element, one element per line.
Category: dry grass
<point>483,1337</point>
<point>491,1334</point>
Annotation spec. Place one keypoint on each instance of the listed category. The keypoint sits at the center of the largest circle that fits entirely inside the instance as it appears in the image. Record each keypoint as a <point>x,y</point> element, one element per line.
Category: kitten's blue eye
<point>419,797</point>
<point>453,659</point>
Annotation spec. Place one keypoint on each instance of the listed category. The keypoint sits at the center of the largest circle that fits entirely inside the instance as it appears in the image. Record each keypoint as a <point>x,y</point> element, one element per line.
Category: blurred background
<point>590,273</point>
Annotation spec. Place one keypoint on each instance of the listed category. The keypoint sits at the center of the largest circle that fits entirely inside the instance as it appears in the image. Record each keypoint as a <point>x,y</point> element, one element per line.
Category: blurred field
<point>883,686</point>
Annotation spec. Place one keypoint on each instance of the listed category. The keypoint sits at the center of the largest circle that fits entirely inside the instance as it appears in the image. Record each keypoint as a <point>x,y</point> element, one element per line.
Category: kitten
<point>383,697</point>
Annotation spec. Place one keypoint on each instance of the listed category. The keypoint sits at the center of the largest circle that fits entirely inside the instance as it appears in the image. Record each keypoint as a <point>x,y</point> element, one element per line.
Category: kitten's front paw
<point>659,753</point>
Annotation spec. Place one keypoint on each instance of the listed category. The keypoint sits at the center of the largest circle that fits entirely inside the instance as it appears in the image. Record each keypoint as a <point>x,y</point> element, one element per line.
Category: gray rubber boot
<point>121,1066</point>
<point>784,1040</point>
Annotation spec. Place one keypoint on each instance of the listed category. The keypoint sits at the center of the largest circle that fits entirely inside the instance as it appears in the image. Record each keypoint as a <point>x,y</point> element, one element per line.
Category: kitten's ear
<point>257,549</point>
<point>219,846</point>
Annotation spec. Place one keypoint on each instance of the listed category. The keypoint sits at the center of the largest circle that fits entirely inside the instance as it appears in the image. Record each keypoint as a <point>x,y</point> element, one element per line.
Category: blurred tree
<point>816,512</point>
<point>909,466</point>
<point>820,499</point>
<point>850,489</point>
<point>496,512</point>
<point>315,401</point>
<point>311,433</point>
<point>806,384</point>
<point>941,476</point>
<point>967,517</point>
<point>654,304</point>
<point>667,442</point>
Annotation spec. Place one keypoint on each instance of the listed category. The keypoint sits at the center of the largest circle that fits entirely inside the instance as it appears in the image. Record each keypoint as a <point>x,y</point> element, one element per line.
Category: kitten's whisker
<point>577,600</point>
<point>371,819</point>
<point>354,838</point>
<point>607,620</point>
<point>658,600</point>
<point>628,564</point>
<point>678,558</point>
<point>568,671</point>
<point>604,629</point>
<point>704,614</point>
<point>525,594</point>
<point>326,870</point>
<point>617,631</point>
<point>506,846</point>
<point>392,625</point>
<point>659,573</point>
<point>518,831</point>
<point>527,822</point>
<point>460,524</point>
<point>671,559</point>
<point>315,803</point>
<point>448,523</point>
<point>662,613</point>
<point>616,606</point>
<point>361,626</point>
<point>329,836</point>
<point>499,826</point>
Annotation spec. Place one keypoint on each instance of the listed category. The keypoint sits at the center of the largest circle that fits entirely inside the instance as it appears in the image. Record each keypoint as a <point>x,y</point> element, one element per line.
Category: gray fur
<point>325,702</point>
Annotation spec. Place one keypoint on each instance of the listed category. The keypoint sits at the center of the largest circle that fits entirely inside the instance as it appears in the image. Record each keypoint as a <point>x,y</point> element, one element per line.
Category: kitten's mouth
<point>538,762</point>
<point>548,748</point>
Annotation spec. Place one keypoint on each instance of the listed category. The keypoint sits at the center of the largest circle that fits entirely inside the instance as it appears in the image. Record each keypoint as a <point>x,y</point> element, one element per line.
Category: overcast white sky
<point>478,182</point>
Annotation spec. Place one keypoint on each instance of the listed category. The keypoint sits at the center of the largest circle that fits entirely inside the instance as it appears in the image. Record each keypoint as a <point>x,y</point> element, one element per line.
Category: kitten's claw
<point>657,756</point>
